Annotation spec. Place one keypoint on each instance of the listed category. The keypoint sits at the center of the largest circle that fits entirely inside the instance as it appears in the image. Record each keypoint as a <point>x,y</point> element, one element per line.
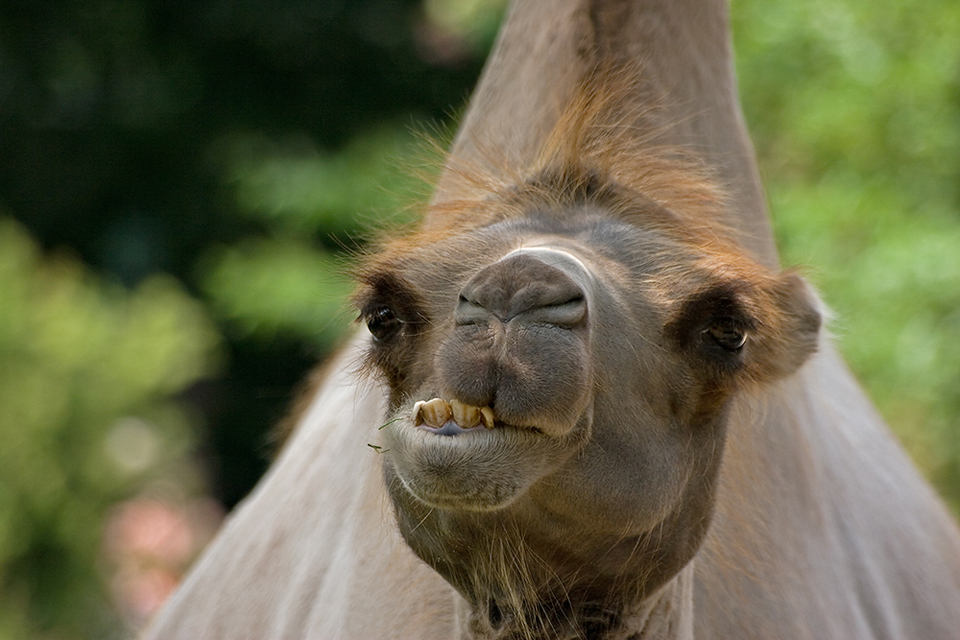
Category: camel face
<point>559,378</point>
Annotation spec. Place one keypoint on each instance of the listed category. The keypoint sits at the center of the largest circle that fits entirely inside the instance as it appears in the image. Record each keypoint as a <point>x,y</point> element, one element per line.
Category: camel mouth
<point>450,428</point>
<point>454,418</point>
<point>451,455</point>
<point>449,418</point>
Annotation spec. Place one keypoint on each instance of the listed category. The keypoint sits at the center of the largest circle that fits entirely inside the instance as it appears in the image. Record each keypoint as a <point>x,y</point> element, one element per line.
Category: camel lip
<point>475,468</point>
<point>447,418</point>
<point>450,428</point>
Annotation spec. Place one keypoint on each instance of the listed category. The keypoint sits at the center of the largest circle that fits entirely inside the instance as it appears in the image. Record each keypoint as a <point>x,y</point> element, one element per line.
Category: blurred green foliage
<point>88,368</point>
<point>855,111</point>
<point>266,286</point>
<point>189,180</point>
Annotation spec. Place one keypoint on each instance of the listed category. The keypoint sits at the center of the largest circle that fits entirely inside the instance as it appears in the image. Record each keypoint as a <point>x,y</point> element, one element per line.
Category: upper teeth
<point>437,411</point>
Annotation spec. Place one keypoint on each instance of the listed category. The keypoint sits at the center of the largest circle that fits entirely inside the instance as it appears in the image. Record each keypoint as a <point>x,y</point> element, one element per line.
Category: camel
<point>597,405</point>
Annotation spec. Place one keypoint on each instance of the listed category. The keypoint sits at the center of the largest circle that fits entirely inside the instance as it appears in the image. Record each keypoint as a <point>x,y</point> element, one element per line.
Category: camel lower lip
<point>474,468</point>
<point>450,428</point>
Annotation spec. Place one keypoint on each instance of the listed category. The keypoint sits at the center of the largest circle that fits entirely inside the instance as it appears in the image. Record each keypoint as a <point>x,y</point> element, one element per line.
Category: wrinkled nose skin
<point>519,342</point>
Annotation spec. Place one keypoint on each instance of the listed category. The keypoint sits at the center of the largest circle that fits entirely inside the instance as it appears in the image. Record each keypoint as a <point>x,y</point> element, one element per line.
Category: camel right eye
<point>383,323</point>
<point>727,335</point>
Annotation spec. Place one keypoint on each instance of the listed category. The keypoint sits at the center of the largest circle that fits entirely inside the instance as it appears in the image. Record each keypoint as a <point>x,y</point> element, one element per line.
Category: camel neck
<point>666,615</point>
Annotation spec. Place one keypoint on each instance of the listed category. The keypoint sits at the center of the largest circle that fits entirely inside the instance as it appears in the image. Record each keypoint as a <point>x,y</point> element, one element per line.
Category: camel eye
<point>382,322</point>
<point>728,336</point>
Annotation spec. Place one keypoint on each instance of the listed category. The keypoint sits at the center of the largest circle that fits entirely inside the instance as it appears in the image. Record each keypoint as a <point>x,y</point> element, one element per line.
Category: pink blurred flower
<point>150,528</point>
<point>150,543</point>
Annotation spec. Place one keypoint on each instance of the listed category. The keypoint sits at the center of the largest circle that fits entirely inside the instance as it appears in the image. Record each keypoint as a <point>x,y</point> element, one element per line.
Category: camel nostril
<point>568,313</point>
<point>527,285</point>
<point>469,312</point>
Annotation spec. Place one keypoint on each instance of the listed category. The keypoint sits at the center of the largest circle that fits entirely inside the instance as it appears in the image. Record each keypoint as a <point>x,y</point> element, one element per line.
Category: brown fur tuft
<point>594,155</point>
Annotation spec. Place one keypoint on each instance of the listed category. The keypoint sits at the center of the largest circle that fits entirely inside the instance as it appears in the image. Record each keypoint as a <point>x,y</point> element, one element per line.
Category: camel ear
<point>751,327</point>
<point>788,327</point>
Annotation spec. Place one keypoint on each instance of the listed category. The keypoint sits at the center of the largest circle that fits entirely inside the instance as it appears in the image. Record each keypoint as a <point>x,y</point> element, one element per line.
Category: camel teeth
<point>465,415</point>
<point>436,412</point>
<point>486,416</point>
<point>417,415</point>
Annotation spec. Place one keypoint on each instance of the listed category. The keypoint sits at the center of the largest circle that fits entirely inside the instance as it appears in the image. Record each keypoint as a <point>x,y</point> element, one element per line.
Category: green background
<point>182,183</point>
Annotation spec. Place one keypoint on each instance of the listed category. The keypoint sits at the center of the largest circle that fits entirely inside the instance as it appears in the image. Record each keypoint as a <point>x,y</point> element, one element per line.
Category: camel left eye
<point>383,323</point>
<point>730,337</point>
